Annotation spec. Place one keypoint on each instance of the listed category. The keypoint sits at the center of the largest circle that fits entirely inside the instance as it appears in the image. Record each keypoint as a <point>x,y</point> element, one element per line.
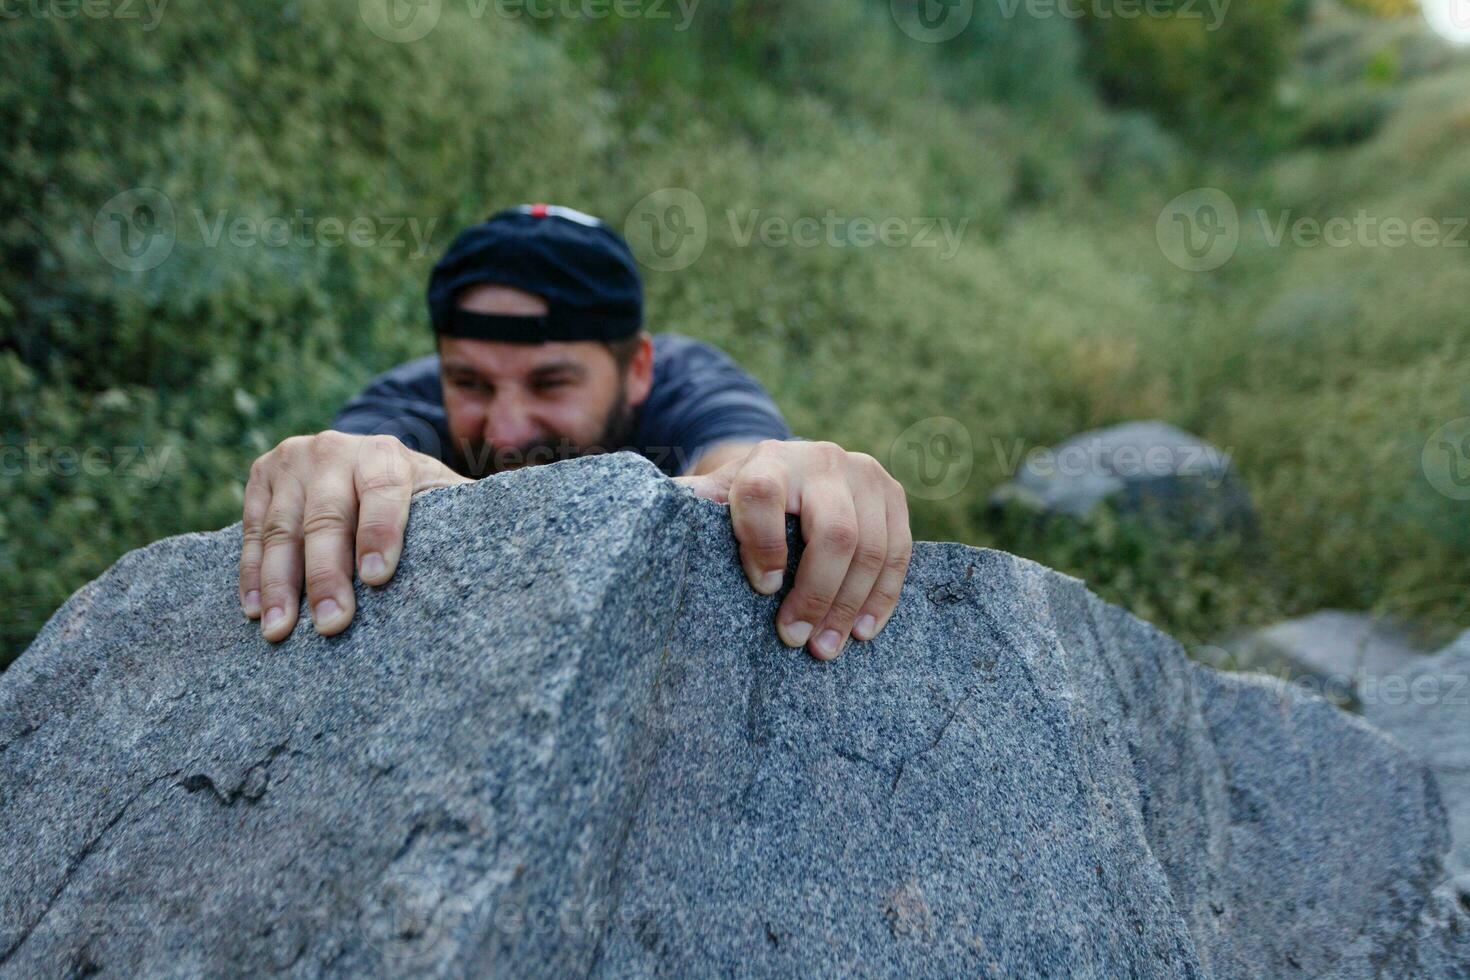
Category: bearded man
<point>542,356</point>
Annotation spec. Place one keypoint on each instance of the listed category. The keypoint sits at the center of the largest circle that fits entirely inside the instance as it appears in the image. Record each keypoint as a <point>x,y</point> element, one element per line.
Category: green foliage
<point>1347,116</point>
<point>131,403</point>
<point>1384,66</point>
<point>1383,8</point>
<point>1209,69</point>
<point>1191,585</point>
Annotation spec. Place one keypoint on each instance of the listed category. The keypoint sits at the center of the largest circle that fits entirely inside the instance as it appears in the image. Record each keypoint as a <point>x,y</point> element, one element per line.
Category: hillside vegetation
<point>132,402</point>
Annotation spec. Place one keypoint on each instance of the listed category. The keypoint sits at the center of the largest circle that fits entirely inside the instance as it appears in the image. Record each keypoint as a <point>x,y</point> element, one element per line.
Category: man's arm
<point>854,516</point>
<point>406,403</point>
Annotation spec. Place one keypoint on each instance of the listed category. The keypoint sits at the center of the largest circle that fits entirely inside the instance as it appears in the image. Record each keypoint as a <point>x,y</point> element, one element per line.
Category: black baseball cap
<point>581,267</point>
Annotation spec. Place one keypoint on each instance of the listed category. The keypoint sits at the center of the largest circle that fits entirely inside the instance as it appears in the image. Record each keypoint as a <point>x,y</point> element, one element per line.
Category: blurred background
<point>950,233</point>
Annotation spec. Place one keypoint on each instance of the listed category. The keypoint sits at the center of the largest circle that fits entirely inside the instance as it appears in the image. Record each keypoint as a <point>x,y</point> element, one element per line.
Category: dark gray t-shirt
<point>700,397</point>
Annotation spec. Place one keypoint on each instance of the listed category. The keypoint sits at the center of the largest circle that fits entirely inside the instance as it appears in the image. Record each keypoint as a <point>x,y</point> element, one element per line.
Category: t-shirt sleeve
<point>406,403</point>
<point>710,400</point>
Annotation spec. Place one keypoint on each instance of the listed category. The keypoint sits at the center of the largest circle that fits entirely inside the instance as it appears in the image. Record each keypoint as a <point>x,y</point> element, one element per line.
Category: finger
<point>758,496</point>
<point>328,525</point>
<point>384,486</point>
<point>829,525</point>
<point>831,634</point>
<point>257,502</point>
<point>280,564</point>
<point>881,602</point>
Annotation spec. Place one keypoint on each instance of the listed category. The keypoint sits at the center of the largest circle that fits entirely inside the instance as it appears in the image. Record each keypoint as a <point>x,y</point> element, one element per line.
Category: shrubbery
<point>1209,69</point>
<point>1056,312</point>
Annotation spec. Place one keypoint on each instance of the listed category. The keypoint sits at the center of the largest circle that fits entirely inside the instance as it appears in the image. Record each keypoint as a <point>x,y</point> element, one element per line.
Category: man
<point>542,356</point>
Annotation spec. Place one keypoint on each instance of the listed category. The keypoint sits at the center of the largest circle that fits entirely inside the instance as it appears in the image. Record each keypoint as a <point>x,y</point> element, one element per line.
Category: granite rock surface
<point>565,740</point>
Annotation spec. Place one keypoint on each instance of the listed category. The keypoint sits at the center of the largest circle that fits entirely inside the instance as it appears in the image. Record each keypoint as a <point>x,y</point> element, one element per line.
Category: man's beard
<point>480,459</point>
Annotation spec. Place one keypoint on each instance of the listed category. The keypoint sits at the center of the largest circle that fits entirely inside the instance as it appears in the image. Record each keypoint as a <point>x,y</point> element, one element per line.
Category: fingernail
<point>770,583</point>
<point>794,634</point>
<point>326,611</point>
<point>828,644</point>
<point>372,565</point>
<point>865,627</point>
<point>273,617</point>
<point>252,603</point>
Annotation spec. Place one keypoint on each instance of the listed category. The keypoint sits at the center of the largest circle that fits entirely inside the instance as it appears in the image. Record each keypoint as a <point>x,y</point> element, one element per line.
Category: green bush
<point>131,403</point>
<point>1205,70</point>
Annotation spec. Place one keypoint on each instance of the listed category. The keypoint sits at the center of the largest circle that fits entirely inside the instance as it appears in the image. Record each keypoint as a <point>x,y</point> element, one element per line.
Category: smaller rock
<point>1426,707</point>
<point>1332,651</point>
<point>1149,469</point>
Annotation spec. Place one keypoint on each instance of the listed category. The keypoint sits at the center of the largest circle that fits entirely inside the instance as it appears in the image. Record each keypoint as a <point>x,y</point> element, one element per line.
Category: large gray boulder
<point>1148,470</point>
<point>1426,706</point>
<point>565,740</point>
<point>1333,652</point>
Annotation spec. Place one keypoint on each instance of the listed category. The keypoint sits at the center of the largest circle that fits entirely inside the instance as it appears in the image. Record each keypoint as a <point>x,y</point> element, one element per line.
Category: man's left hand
<point>854,520</point>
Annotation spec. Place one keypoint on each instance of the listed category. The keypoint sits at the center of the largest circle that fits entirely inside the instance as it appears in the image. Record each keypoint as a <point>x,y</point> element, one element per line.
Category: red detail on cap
<point>538,210</point>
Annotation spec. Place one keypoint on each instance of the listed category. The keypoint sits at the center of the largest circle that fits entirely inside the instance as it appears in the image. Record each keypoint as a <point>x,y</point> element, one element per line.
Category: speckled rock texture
<point>565,740</point>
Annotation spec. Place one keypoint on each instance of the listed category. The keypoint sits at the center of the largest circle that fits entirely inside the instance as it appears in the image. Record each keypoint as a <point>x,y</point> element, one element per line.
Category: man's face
<point>511,405</point>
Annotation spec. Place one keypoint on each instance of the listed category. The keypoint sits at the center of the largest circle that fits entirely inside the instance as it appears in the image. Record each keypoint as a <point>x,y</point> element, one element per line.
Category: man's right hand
<point>315,507</point>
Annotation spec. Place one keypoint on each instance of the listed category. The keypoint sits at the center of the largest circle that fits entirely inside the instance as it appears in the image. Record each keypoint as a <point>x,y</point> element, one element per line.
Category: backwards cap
<point>582,269</point>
